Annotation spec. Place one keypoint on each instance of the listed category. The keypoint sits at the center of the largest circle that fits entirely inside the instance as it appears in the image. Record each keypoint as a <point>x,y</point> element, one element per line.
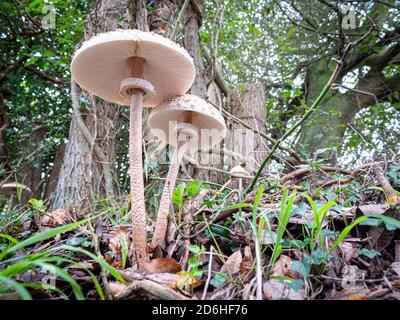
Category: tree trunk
<point>32,174</point>
<point>4,123</point>
<point>193,20</point>
<point>55,171</point>
<point>88,170</point>
<point>249,106</point>
<point>327,125</point>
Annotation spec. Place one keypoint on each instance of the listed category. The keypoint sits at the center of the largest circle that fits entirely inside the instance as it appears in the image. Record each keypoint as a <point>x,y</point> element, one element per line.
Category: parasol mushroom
<point>239,173</point>
<point>191,116</point>
<point>131,67</point>
<point>15,188</point>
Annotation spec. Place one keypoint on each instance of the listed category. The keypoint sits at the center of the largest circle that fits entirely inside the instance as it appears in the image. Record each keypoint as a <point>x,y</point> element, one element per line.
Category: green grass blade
<point>76,288</point>
<point>99,260</point>
<point>46,235</point>
<point>9,238</point>
<point>23,293</point>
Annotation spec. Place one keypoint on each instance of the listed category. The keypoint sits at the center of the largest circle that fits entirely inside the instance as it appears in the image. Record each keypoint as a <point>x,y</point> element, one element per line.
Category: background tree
<point>285,45</point>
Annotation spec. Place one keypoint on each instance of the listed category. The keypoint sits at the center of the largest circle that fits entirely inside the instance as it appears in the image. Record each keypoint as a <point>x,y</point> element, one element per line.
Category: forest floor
<point>318,232</point>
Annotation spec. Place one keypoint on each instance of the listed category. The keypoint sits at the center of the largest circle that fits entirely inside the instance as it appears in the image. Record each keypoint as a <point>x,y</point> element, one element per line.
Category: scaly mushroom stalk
<point>185,132</point>
<point>192,115</point>
<point>138,207</point>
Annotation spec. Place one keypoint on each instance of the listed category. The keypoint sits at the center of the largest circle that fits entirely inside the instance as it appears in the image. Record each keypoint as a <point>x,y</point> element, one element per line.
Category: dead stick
<point>391,193</point>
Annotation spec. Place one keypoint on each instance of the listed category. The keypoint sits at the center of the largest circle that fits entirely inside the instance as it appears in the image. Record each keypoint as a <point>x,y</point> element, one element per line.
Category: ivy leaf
<point>177,195</point>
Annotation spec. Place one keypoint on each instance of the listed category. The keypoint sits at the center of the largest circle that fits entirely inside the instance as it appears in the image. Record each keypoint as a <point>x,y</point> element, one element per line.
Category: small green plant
<point>38,205</point>
<point>13,264</point>
<point>283,219</point>
<point>194,263</point>
<point>184,192</point>
<point>315,233</point>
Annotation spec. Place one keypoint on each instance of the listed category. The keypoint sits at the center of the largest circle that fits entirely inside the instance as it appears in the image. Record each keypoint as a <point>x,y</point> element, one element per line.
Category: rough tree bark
<point>32,173</point>
<point>192,22</point>
<point>249,106</point>
<point>4,123</point>
<point>88,168</point>
<point>90,154</point>
<point>55,171</point>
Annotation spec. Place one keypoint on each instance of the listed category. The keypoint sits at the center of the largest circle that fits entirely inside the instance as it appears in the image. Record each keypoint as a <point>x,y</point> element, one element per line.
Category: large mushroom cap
<point>103,62</point>
<point>13,187</point>
<point>204,117</point>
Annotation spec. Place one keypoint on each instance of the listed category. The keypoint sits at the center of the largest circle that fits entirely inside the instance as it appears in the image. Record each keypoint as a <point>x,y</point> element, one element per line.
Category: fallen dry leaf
<point>397,251</point>
<point>396,268</point>
<point>232,265</point>
<point>115,242</point>
<point>282,268</point>
<point>174,280</point>
<point>348,251</point>
<point>162,265</point>
<point>371,209</point>
<point>267,237</point>
<point>56,218</point>
<point>247,261</point>
<point>116,287</point>
<point>277,290</point>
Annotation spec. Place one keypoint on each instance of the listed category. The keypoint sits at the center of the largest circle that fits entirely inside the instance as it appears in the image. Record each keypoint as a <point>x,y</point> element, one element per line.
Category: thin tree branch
<point>314,106</point>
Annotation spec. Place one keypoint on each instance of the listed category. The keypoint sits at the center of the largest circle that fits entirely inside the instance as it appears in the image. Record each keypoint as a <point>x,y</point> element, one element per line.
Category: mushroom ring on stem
<point>140,69</point>
<point>186,123</point>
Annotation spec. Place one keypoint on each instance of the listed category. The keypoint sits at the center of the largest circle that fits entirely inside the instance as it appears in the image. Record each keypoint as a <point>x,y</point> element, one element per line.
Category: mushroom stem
<point>138,208</point>
<point>165,202</point>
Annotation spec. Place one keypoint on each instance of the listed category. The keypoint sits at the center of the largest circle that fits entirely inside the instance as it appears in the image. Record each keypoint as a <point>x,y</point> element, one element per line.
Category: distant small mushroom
<point>192,116</point>
<point>15,188</point>
<point>131,67</point>
<point>239,173</point>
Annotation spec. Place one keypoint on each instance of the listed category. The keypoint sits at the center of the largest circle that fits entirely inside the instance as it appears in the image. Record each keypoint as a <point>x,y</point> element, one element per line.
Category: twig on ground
<point>391,193</point>
<point>203,297</point>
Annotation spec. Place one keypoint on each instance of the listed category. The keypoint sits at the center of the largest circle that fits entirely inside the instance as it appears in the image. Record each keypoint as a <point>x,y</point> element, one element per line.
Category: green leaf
<point>194,248</point>
<point>295,284</point>
<point>193,188</point>
<point>368,253</point>
<point>177,195</point>
<point>99,260</point>
<point>318,256</point>
<point>9,238</point>
<point>23,293</point>
<point>370,222</point>
<point>76,288</point>
<point>46,235</point>
<point>219,279</point>
<point>76,241</point>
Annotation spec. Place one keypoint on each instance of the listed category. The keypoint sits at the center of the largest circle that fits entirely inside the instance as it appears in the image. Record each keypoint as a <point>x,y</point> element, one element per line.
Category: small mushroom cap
<point>239,170</point>
<point>103,62</point>
<point>12,187</point>
<point>204,117</point>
